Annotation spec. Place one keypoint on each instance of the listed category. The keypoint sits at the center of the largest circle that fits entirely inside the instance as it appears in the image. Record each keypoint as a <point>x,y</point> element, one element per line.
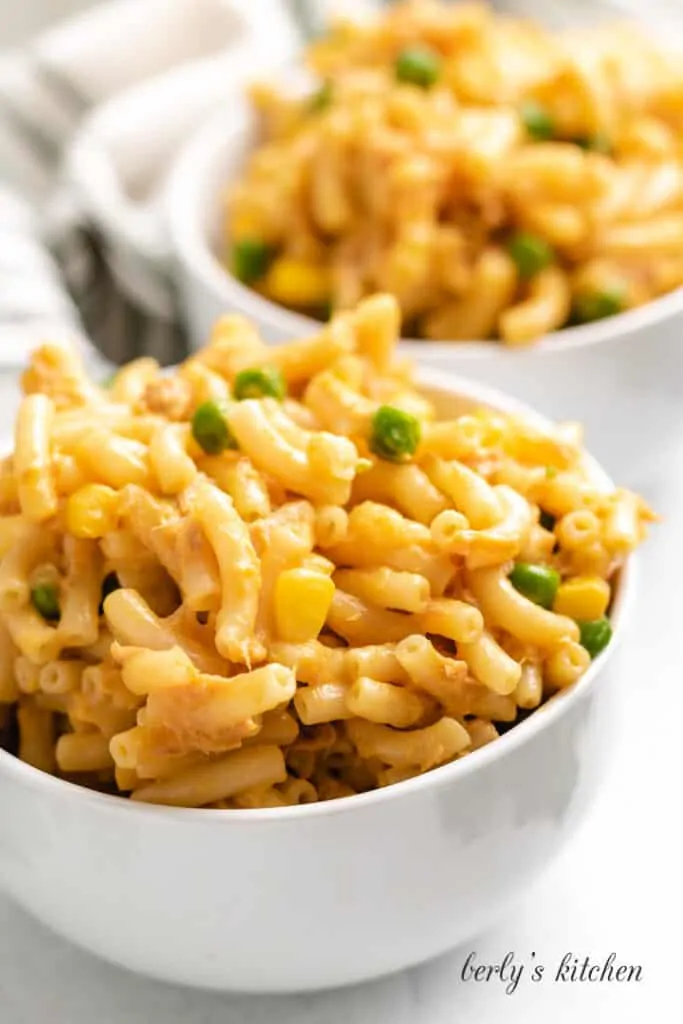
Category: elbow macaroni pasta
<point>499,179</point>
<point>295,617</point>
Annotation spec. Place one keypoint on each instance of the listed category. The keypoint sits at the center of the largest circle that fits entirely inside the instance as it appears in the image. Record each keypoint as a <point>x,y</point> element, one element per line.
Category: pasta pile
<point>501,180</point>
<point>274,576</point>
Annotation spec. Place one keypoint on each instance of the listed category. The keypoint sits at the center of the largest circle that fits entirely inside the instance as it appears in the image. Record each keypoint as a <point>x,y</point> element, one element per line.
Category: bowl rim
<point>185,202</point>
<point>434,779</point>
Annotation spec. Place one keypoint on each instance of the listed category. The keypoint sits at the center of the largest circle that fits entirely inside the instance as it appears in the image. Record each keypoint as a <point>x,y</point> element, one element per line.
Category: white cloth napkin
<point>92,115</point>
<point>33,301</point>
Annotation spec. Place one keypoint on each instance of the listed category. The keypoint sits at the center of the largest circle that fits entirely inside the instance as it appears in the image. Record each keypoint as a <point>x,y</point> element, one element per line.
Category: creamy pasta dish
<point>277,576</point>
<point>501,180</point>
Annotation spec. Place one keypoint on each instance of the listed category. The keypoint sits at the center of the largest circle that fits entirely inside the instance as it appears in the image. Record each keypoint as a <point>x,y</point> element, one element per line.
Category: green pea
<point>597,305</point>
<point>261,382</point>
<point>210,428</point>
<point>321,99</point>
<point>538,583</point>
<point>394,434</point>
<point>251,258</point>
<point>537,121</point>
<point>45,600</point>
<point>530,253</point>
<point>547,521</point>
<point>550,472</point>
<point>110,583</point>
<point>418,65</point>
<point>108,383</point>
<point>595,635</point>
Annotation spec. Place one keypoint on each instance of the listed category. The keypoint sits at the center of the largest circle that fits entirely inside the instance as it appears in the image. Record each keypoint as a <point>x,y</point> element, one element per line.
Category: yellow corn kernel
<point>585,597</point>
<point>297,283</point>
<point>302,601</point>
<point>92,511</point>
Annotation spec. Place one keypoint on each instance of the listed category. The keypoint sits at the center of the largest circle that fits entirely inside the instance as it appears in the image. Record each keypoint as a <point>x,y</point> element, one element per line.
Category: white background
<point>617,887</point>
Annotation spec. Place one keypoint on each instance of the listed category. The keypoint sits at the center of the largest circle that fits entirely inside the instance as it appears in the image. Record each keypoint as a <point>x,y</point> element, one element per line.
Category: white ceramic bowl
<point>319,895</point>
<point>622,377</point>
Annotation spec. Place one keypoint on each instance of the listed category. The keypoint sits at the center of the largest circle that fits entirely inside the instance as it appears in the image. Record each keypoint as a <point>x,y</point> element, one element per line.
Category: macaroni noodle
<point>501,180</point>
<point>253,602</point>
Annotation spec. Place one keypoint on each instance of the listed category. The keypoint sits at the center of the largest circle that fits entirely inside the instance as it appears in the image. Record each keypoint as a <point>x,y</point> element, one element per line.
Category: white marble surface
<point>617,888</point>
